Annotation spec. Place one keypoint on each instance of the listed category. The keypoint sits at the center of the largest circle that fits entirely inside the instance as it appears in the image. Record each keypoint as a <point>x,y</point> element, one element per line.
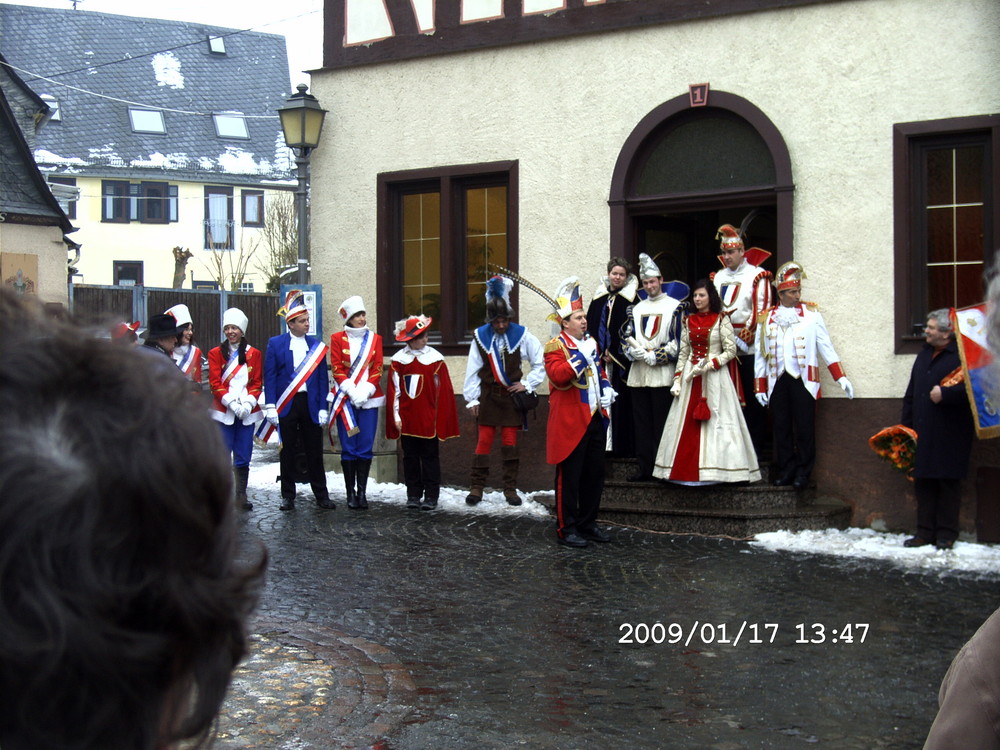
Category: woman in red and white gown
<point>705,439</point>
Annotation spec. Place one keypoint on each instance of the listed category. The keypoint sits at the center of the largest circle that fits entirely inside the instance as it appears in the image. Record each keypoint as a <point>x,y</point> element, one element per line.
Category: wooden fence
<point>104,306</point>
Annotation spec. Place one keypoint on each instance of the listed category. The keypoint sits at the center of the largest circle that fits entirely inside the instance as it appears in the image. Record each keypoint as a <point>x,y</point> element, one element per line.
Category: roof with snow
<point>113,77</point>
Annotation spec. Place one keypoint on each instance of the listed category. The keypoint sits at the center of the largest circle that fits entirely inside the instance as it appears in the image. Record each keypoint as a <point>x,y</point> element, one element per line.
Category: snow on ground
<point>854,544</point>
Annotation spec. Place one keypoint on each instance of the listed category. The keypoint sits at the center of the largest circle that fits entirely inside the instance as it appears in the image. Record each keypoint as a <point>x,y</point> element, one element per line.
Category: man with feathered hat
<point>791,337</point>
<point>493,374</point>
<point>296,384</point>
<point>650,340</point>
<point>745,289</point>
<point>606,315</point>
<point>579,399</point>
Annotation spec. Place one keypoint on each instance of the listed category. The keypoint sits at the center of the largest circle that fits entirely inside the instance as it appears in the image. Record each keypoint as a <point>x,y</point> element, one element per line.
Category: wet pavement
<point>400,630</point>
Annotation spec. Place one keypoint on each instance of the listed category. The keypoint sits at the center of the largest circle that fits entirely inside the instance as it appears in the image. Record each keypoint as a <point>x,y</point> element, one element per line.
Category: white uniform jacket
<point>745,293</point>
<point>795,349</point>
<point>656,327</point>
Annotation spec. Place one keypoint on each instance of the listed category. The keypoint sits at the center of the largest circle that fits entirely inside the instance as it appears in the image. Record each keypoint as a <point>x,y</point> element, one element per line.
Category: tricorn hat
<point>411,327</point>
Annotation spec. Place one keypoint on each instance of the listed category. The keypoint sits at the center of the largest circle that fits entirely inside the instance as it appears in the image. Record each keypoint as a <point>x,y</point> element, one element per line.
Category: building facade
<point>169,133</point>
<point>548,135</point>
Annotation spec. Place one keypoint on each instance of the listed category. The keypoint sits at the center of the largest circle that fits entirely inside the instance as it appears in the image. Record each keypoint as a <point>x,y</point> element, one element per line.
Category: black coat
<point>944,430</point>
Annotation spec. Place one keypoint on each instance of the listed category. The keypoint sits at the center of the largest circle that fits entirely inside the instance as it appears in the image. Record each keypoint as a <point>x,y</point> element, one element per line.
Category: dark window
<point>253,208</point>
<point>68,206</point>
<point>128,272</point>
<point>946,215</point>
<point>442,229</point>
<point>154,203</point>
<point>218,218</point>
<point>115,204</point>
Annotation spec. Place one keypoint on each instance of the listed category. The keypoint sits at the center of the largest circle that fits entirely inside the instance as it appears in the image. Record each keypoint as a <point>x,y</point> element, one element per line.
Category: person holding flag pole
<point>296,385</point>
<point>235,375</point>
<point>355,397</point>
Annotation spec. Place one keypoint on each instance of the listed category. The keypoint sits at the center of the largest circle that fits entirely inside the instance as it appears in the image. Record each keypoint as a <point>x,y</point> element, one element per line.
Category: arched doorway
<point>684,171</point>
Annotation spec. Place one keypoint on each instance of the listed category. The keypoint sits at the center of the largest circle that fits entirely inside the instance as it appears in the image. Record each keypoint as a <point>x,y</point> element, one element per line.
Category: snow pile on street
<point>869,544</point>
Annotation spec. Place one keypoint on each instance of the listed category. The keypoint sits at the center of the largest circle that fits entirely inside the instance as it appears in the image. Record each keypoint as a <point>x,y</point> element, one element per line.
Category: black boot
<point>240,476</point>
<point>364,465</point>
<point>350,470</point>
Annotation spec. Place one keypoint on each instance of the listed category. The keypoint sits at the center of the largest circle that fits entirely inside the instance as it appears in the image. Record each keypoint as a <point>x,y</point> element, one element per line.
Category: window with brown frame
<point>946,214</point>
<point>253,207</point>
<point>218,218</point>
<point>438,232</point>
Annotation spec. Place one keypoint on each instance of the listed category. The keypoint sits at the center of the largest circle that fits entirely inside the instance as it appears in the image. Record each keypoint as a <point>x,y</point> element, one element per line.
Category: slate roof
<point>23,192</point>
<point>110,55</point>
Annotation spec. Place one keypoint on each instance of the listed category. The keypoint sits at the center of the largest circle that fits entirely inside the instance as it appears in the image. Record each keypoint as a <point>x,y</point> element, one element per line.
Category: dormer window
<point>146,120</point>
<point>217,45</point>
<point>231,125</point>
<point>53,103</point>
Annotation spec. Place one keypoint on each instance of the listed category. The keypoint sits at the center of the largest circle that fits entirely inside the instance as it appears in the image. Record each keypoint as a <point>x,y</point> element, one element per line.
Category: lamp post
<point>301,123</point>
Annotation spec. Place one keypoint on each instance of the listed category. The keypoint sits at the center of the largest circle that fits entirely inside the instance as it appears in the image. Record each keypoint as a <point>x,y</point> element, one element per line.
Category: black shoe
<point>572,539</point>
<point>640,477</point>
<point>326,504</point>
<point>595,534</point>
<point>287,503</point>
<point>472,499</point>
<point>784,480</point>
<point>513,499</point>
<point>413,502</point>
<point>800,483</point>
<point>916,541</point>
<point>429,504</point>
<point>944,545</point>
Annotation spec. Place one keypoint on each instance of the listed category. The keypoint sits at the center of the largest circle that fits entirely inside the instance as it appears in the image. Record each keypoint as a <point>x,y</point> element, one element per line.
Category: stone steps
<point>736,510</point>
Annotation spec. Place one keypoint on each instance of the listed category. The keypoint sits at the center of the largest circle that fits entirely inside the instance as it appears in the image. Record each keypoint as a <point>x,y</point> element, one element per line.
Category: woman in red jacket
<point>355,396</point>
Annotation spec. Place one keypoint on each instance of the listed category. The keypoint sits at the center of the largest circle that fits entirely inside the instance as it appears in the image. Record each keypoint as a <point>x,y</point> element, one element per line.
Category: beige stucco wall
<point>47,244</point>
<point>153,244</point>
<point>833,78</point>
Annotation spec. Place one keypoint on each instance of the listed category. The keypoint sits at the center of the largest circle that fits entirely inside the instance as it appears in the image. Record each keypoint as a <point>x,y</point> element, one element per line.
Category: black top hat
<point>162,326</point>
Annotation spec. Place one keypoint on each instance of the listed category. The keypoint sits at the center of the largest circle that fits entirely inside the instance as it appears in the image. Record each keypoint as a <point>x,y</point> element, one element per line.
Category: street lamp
<point>301,123</point>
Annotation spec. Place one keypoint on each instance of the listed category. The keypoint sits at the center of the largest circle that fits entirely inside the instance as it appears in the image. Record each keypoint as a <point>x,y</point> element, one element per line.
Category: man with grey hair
<point>937,407</point>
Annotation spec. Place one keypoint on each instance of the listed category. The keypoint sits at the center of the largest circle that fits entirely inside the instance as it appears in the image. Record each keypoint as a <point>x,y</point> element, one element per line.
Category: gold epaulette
<point>553,346</point>
<point>762,317</point>
<point>814,306</point>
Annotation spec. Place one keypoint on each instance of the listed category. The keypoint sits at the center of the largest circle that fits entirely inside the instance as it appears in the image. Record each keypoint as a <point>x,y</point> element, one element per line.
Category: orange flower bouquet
<point>898,446</point>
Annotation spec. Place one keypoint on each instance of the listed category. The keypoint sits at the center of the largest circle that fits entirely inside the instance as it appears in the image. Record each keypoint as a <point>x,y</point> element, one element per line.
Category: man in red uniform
<point>579,399</point>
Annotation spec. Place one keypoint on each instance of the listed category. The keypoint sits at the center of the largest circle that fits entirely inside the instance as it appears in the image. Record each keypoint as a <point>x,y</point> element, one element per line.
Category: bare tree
<point>281,239</point>
<point>229,267</point>
<point>181,257</point>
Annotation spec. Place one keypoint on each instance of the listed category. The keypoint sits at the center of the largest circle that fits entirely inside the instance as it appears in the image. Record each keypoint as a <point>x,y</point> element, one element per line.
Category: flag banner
<point>969,324</point>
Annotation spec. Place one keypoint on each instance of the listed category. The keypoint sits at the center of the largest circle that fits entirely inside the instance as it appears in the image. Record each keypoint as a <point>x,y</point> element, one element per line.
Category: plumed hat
<point>234,316</point>
<point>181,314</point>
<point>498,298</point>
<point>647,268</point>
<point>567,299</point>
<point>295,305</point>
<point>790,276</point>
<point>411,327</point>
<point>351,307</point>
<point>729,236</point>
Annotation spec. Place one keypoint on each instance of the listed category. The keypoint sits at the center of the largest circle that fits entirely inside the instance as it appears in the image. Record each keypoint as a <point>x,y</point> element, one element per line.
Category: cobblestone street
<point>402,630</point>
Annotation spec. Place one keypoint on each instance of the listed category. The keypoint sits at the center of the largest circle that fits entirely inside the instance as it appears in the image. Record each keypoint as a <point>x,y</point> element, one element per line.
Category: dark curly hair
<point>714,300</point>
<point>122,606</point>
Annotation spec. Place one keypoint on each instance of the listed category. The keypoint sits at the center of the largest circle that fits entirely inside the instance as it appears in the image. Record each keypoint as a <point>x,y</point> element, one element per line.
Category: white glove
<point>240,410</point>
<point>675,389</point>
<point>649,357</point>
<point>249,402</point>
<point>365,390</point>
<point>762,399</point>
<point>324,417</point>
<point>846,385</point>
<point>671,348</point>
<point>357,398</point>
<point>636,353</point>
<point>227,399</point>
<point>271,414</point>
<point>607,398</point>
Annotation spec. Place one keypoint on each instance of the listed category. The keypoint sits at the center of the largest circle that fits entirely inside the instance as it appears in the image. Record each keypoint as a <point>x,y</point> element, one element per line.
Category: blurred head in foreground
<point>122,608</point>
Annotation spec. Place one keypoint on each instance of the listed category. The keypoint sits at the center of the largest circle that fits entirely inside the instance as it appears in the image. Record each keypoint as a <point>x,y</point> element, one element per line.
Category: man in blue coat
<point>937,407</point>
<point>296,384</point>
